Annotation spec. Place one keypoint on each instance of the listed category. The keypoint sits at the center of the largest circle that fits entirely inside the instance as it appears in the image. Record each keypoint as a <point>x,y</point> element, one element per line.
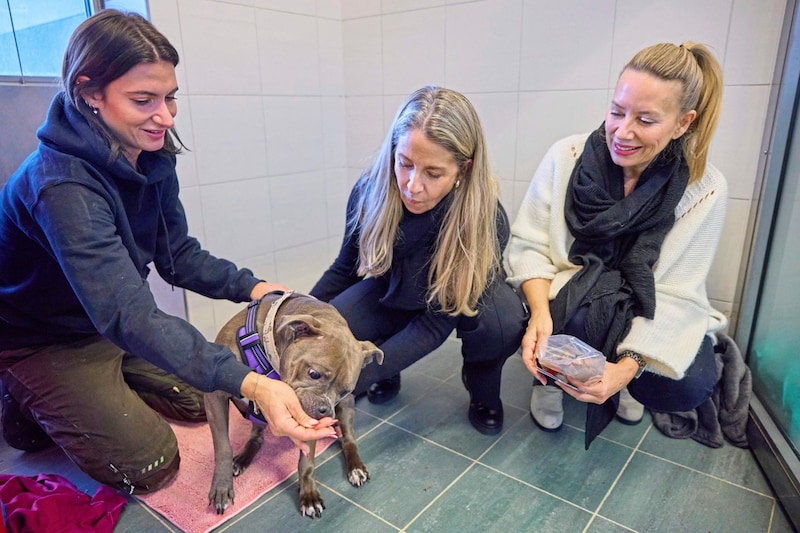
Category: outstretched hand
<point>283,412</point>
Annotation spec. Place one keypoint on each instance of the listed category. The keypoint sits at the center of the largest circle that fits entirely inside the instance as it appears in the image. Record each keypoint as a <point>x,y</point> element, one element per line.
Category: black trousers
<point>487,339</point>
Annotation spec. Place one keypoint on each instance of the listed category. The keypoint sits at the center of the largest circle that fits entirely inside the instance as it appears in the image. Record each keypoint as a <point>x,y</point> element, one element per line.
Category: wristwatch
<point>636,357</point>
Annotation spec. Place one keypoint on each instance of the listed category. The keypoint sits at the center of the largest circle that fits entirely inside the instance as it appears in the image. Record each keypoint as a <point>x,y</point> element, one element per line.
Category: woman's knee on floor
<point>135,465</point>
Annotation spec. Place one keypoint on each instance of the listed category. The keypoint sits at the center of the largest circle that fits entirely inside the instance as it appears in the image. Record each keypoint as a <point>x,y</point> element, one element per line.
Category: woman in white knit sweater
<point>615,237</point>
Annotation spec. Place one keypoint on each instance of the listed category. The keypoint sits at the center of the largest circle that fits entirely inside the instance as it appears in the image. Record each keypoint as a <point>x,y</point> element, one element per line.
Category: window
<point>34,33</point>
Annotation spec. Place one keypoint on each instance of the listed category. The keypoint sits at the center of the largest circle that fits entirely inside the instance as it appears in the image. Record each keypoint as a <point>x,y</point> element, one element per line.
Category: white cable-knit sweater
<point>540,243</point>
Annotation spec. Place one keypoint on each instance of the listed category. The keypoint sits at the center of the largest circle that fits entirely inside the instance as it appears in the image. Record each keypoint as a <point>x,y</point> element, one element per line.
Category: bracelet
<point>636,357</point>
<point>255,404</point>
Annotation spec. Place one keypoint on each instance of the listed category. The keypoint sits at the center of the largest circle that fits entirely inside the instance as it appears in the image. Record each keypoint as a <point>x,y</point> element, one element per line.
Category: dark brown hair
<point>103,48</point>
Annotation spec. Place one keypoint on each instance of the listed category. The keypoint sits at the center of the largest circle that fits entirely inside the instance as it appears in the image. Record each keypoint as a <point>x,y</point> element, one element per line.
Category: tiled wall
<point>283,102</point>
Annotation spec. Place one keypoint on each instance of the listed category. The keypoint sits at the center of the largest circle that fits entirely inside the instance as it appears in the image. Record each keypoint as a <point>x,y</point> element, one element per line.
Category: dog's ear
<point>371,353</point>
<point>293,327</point>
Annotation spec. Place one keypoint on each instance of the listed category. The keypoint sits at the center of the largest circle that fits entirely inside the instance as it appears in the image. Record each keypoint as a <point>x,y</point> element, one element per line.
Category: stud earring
<point>458,182</point>
<point>94,109</point>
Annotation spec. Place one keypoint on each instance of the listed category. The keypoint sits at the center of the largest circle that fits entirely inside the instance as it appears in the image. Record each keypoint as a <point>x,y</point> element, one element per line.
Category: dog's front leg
<point>221,493</point>
<point>357,473</point>
<point>311,503</point>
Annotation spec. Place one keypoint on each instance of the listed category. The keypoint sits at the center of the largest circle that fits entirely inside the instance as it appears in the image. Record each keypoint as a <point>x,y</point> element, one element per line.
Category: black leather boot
<point>19,431</point>
<point>485,420</point>
<point>384,390</point>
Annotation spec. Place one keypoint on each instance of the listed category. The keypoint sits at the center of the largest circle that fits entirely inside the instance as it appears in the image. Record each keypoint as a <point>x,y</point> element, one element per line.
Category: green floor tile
<point>657,496</point>
<point>485,500</point>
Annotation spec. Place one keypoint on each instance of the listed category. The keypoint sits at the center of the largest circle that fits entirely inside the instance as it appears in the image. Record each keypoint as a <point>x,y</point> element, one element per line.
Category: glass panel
<point>9,62</point>
<point>42,29</point>
<point>774,357</point>
<point>139,6</point>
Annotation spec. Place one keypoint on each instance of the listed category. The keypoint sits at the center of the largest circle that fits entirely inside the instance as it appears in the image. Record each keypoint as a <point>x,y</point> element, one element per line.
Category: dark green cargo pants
<point>104,408</point>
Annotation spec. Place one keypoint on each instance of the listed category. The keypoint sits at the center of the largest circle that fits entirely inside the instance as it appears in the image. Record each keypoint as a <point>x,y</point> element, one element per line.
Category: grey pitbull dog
<point>308,343</point>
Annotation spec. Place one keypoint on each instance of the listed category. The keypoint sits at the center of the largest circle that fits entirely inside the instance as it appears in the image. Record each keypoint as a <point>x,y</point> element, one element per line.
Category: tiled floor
<point>432,472</point>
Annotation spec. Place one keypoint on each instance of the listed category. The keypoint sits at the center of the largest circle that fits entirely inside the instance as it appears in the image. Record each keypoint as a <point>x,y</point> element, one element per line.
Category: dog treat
<point>572,357</point>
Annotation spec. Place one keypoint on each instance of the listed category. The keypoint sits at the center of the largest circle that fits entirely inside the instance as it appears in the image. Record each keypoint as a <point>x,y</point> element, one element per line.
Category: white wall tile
<point>229,137</point>
<point>301,7</point>
<point>545,117</point>
<point>566,45</point>
<point>724,274</point>
<point>397,6</point>
<point>391,105</point>
<point>640,24</point>
<point>200,313</point>
<point>363,70</point>
<point>294,133</point>
<point>736,148</point>
<point>289,53</point>
<point>331,57</point>
<point>192,205</point>
<point>365,130</point>
<point>220,47</point>
<point>223,310</point>
<point>300,267</point>
<point>337,191</point>
<point>360,8</point>
<point>753,41</point>
<point>186,165</point>
<point>237,218</point>
<point>298,209</point>
<point>333,131</point>
<point>498,114</point>
<point>164,16</point>
<point>483,46</point>
<point>329,9</point>
<point>413,50</point>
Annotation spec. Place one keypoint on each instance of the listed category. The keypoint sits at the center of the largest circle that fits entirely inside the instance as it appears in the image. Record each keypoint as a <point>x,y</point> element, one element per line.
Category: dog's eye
<point>313,374</point>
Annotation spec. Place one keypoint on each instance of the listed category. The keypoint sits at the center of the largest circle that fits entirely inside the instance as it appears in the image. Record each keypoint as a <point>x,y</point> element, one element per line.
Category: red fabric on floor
<point>49,502</point>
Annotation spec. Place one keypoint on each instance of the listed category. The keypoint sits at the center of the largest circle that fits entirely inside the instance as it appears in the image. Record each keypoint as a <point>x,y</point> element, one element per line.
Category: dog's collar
<point>268,334</point>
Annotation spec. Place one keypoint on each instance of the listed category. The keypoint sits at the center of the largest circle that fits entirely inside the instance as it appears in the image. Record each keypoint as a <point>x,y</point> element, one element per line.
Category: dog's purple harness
<point>252,348</point>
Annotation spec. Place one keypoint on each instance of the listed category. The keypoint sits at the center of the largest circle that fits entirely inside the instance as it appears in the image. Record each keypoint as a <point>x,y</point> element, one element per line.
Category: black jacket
<point>77,232</point>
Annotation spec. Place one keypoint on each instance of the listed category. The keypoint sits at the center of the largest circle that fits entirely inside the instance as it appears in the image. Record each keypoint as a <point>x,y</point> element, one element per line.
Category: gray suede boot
<point>547,408</point>
<point>630,411</point>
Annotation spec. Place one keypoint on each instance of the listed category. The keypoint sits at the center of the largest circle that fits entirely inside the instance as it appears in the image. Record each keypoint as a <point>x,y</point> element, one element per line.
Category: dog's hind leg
<point>357,473</point>
<point>245,457</point>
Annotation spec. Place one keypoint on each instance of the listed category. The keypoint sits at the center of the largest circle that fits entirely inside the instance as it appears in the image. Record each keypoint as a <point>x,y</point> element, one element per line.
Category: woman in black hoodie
<point>87,359</point>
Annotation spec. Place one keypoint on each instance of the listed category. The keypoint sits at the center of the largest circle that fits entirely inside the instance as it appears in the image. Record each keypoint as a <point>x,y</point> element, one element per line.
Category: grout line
<point>706,474</point>
<point>596,512</point>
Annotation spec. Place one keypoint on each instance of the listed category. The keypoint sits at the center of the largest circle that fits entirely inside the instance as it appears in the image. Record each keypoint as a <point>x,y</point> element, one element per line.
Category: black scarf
<point>618,239</point>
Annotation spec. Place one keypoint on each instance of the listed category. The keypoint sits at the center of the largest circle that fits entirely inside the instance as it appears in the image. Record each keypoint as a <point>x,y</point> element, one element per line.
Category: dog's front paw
<point>311,504</point>
<point>220,497</point>
<point>358,476</point>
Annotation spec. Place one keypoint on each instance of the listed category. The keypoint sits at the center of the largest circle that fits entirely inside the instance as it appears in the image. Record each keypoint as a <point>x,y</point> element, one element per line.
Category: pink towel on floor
<point>184,501</point>
<point>48,502</point>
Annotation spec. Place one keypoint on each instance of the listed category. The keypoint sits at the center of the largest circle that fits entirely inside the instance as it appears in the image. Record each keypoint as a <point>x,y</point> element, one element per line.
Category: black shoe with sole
<point>384,390</point>
<point>19,431</point>
<point>485,420</point>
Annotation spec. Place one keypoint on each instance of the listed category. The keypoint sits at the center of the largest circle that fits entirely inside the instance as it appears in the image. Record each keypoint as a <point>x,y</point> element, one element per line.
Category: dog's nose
<point>323,410</point>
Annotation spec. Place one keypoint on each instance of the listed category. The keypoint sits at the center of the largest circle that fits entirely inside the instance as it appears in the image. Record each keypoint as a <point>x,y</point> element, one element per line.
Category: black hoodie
<point>77,232</point>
